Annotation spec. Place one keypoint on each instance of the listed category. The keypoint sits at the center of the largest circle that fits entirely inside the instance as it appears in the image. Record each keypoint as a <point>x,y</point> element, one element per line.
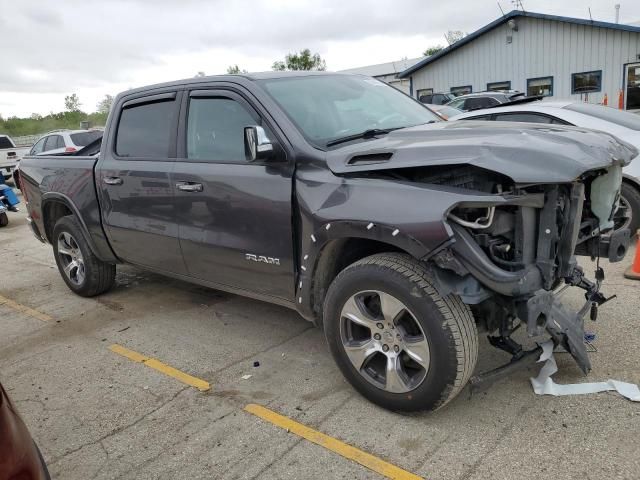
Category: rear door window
<point>144,130</point>
<point>52,143</point>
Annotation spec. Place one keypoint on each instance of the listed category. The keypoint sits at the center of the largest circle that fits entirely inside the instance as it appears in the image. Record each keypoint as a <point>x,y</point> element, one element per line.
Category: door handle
<point>189,187</point>
<point>112,180</point>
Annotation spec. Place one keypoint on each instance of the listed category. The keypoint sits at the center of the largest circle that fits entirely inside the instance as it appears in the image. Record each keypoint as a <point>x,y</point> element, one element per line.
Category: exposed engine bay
<point>510,260</point>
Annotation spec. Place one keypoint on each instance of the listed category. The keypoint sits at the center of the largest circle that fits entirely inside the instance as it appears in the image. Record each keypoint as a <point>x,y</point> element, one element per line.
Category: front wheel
<point>631,201</point>
<point>395,339</point>
<point>81,270</point>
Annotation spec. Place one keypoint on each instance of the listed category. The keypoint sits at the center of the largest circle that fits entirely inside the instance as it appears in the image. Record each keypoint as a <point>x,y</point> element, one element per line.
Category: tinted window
<point>51,143</point>
<point>586,82</point>
<point>38,147</point>
<point>426,98</point>
<point>60,142</point>
<point>145,130</point>
<point>215,129</point>
<point>479,102</point>
<point>5,142</point>
<point>540,86</point>
<point>83,139</point>
<point>522,117</point>
<point>613,115</point>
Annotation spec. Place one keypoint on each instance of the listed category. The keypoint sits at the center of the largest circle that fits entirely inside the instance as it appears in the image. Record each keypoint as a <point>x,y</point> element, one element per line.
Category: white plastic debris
<point>544,385</point>
<point>246,377</point>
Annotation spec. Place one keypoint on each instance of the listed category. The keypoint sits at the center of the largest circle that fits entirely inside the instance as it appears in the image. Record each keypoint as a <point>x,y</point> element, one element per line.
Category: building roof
<point>388,68</point>
<point>504,19</point>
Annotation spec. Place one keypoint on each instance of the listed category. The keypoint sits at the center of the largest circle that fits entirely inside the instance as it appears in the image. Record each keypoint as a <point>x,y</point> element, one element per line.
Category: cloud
<point>92,46</point>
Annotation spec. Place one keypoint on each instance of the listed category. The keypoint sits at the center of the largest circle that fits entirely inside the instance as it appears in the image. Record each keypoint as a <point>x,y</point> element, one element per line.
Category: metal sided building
<point>561,57</point>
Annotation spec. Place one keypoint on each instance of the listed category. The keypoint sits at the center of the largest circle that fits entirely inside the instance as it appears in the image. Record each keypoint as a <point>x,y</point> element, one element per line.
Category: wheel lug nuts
<point>398,336</point>
<point>380,326</point>
<point>377,336</point>
<point>385,348</point>
<point>396,348</point>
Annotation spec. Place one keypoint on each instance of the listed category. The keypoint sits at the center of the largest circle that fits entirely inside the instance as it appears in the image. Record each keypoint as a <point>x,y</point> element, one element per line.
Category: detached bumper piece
<point>613,246</point>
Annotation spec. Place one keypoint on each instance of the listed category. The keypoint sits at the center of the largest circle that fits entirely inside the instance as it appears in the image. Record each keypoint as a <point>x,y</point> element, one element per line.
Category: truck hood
<point>525,152</point>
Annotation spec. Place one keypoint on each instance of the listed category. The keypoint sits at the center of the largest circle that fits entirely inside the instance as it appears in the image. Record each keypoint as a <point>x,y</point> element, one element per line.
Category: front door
<point>135,187</point>
<point>632,87</point>
<point>235,218</point>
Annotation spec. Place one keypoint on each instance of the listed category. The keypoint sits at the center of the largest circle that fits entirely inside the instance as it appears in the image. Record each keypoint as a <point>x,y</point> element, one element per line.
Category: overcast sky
<point>50,49</point>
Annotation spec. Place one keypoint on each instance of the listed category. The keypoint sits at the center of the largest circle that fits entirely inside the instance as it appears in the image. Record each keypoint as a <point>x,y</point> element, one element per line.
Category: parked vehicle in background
<point>352,203</point>
<point>437,98</point>
<point>490,98</point>
<point>20,457</point>
<point>92,148</point>
<point>445,111</point>
<point>624,125</point>
<point>10,155</point>
<point>65,141</point>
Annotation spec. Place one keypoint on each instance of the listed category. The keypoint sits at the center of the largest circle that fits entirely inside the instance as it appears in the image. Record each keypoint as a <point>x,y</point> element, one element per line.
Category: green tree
<point>235,70</point>
<point>432,50</point>
<point>300,61</point>
<point>72,103</point>
<point>104,105</point>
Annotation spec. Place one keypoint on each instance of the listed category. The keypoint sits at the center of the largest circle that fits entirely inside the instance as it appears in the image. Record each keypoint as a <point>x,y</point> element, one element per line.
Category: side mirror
<point>257,146</point>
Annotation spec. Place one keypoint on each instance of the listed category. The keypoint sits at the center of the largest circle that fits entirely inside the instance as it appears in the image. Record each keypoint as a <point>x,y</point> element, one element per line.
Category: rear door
<point>53,145</point>
<point>235,217</point>
<point>133,179</point>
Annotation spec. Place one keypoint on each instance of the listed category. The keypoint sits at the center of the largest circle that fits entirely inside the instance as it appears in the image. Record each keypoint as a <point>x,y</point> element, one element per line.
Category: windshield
<point>329,107</point>
<point>609,114</point>
<point>82,139</point>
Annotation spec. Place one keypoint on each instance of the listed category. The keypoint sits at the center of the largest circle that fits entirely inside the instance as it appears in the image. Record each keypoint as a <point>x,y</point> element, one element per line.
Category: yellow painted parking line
<point>161,367</point>
<point>347,451</point>
<point>18,307</point>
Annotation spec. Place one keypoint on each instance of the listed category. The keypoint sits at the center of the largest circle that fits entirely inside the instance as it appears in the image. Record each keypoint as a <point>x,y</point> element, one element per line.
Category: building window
<point>586,82</point>
<point>426,93</point>
<point>464,90</point>
<point>540,86</point>
<point>499,86</point>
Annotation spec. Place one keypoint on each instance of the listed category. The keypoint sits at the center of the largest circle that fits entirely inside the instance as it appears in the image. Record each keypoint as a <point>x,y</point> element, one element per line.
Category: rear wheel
<point>4,219</point>
<point>395,339</point>
<point>631,200</point>
<point>81,270</point>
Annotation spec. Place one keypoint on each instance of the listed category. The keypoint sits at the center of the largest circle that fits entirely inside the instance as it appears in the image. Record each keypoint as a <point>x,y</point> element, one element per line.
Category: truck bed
<point>51,181</point>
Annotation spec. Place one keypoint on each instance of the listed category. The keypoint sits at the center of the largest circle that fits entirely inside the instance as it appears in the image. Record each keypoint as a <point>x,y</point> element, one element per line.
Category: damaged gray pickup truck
<point>338,196</point>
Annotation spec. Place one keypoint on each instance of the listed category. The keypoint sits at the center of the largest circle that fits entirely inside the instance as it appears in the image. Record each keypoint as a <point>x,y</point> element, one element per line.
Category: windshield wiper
<point>372,132</point>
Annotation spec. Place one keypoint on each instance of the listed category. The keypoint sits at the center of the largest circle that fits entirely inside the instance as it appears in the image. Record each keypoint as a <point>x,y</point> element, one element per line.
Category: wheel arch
<point>55,206</point>
<point>333,247</point>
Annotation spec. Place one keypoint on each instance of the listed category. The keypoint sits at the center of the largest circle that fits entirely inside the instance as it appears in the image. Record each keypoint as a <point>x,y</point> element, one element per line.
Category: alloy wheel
<point>71,258</point>
<point>384,341</point>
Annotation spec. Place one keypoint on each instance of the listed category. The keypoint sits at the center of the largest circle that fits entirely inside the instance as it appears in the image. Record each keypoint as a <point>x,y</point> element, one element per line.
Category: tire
<point>89,276</point>
<point>4,219</point>
<point>444,324</point>
<point>631,195</point>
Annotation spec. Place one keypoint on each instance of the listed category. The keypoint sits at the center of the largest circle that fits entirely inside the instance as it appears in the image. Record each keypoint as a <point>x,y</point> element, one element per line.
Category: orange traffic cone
<point>605,100</point>
<point>621,100</point>
<point>633,272</point>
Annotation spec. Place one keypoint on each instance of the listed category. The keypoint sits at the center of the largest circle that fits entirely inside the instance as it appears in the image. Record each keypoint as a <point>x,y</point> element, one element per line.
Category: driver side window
<point>215,129</point>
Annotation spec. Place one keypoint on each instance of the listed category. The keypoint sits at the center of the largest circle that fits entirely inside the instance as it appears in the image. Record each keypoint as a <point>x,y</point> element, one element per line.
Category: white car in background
<point>66,141</point>
<point>10,155</point>
<point>624,125</point>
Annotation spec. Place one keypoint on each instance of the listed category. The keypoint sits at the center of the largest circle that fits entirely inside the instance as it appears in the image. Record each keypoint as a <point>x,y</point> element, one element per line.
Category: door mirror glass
<point>257,145</point>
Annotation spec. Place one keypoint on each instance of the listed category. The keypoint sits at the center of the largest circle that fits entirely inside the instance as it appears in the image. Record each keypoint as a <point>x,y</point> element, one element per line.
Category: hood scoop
<point>370,158</point>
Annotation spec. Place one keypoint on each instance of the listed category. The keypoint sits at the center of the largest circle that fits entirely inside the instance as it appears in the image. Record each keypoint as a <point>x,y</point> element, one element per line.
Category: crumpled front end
<point>510,259</point>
